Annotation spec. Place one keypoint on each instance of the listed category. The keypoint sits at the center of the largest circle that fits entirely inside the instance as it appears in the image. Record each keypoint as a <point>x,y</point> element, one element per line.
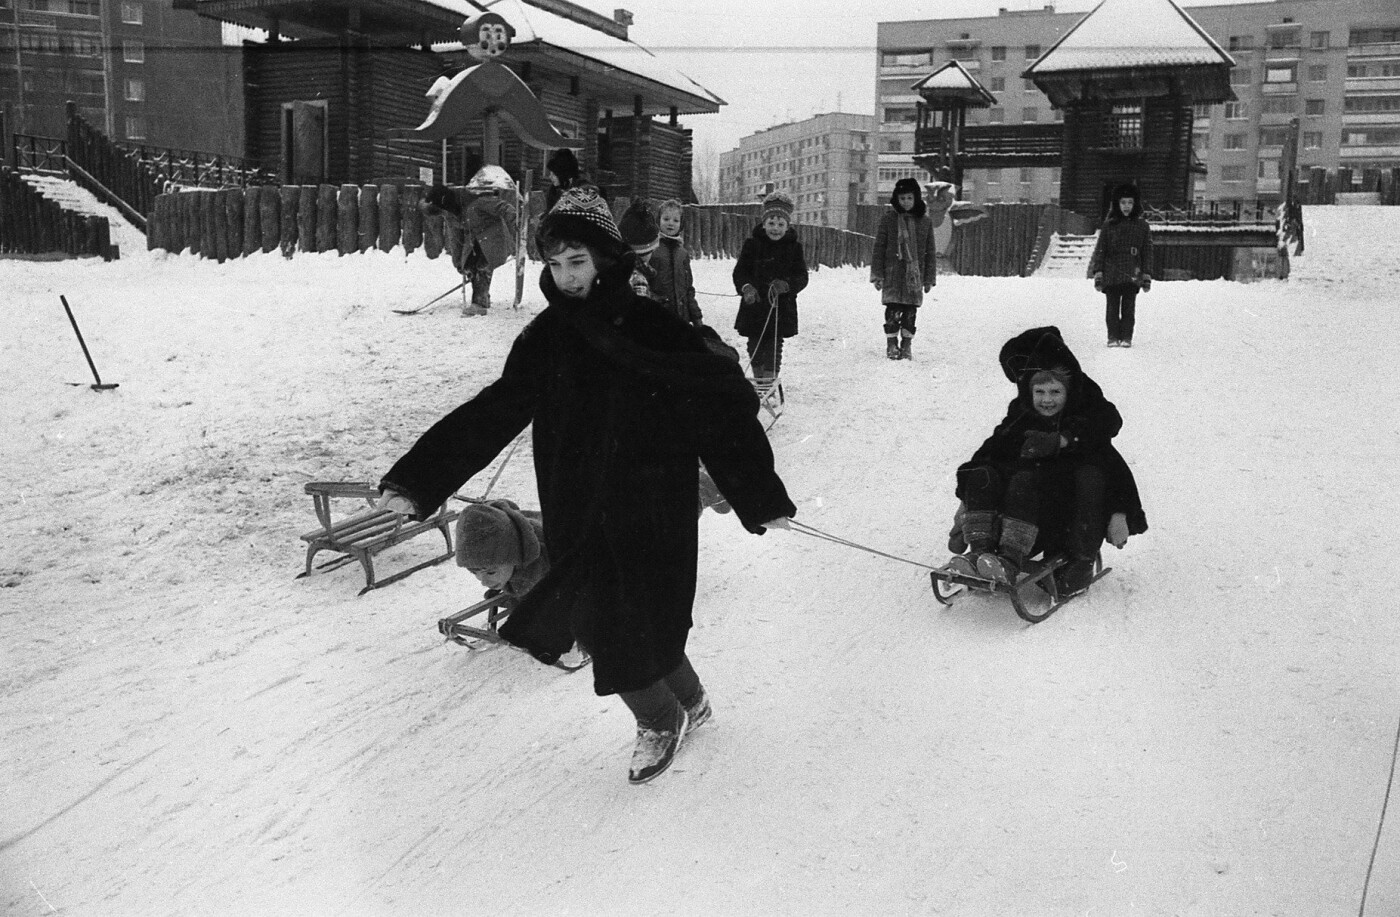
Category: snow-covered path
<point>186,729</point>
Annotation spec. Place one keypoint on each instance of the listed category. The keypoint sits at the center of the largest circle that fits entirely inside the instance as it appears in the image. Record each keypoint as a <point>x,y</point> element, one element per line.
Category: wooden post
<point>306,218</point>
<point>369,217</point>
<point>233,213</point>
<point>432,234</point>
<point>290,200</point>
<point>208,219</point>
<point>270,218</point>
<point>347,225</point>
<point>411,218</point>
<point>252,234</point>
<point>388,217</point>
<point>325,217</point>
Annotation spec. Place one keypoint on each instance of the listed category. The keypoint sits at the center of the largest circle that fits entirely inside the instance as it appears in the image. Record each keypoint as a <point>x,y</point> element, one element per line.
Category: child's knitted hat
<point>777,204</point>
<point>494,533</point>
<point>639,228</point>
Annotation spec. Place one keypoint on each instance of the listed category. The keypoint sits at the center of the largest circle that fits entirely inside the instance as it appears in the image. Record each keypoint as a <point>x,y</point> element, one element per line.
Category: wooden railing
<point>995,145</point>
<point>109,171</point>
<point>29,153</point>
<point>196,169</point>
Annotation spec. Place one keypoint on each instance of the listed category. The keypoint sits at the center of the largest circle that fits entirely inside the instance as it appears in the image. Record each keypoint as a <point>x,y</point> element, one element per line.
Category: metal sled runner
<point>949,584</point>
<point>496,608</point>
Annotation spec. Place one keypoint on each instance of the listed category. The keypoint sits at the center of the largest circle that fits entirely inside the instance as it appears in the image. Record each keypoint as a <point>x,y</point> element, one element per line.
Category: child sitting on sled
<point>1048,479</point>
<point>503,546</point>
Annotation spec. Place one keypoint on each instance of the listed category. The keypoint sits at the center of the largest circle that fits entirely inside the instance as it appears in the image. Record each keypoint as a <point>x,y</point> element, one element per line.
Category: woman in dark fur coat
<point>625,399</point>
<point>903,265</point>
<point>1047,480</point>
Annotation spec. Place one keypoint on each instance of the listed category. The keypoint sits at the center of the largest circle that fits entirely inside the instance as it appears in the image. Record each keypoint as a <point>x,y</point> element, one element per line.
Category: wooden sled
<point>770,398</point>
<point>496,609</point>
<point>948,585</point>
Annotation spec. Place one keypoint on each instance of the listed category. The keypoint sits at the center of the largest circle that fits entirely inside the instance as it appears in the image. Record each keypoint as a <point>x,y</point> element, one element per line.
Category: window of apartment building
<point>1315,108</point>
<point>135,127</point>
<point>1371,136</point>
<point>998,52</point>
<point>1317,73</point>
<point>998,84</point>
<point>1232,142</point>
<point>996,115</point>
<point>1241,42</point>
<point>893,146</point>
<point>1125,126</point>
<point>1372,71</point>
<point>906,58</point>
<point>1029,114</point>
<point>1200,143</point>
<point>1057,114</point>
<point>1032,52</point>
<point>133,51</point>
<point>1274,136</point>
<point>1235,111</point>
<point>1312,140</point>
<point>1232,173</point>
<point>1028,86</point>
<point>1320,41</point>
<point>1281,73</point>
<point>133,13</point>
<point>1268,169</point>
<point>1201,112</point>
<point>1027,176</point>
<point>1284,38</point>
<point>1371,104</point>
<point>994,176</point>
<point>896,114</point>
<point>135,90</point>
<point>1279,105</point>
<point>1373,37</point>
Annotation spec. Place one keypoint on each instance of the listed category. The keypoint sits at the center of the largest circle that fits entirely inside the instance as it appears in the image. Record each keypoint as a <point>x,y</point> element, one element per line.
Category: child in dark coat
<point>675,284</point>
<point>903,265</point>
<point>1122,263</point>
<point>1048,478</point>
<point>771,266</point>
<point>625,401</point>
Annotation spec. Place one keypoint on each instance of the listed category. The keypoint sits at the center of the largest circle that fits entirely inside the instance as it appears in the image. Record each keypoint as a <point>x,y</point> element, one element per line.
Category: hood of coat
<point>908,186</point>
<point>1039,349</point>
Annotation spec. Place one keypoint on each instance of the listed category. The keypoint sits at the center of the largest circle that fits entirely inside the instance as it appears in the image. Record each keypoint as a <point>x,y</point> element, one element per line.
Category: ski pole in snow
<point>100,386</point>
<point>1366,888</point>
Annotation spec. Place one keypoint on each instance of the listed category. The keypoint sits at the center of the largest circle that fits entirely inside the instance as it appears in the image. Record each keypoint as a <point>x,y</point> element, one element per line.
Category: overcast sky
<point>775,61</point>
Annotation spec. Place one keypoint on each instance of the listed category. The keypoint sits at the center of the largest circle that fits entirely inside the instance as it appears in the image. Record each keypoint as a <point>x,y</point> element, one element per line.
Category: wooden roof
<point>951,85</point>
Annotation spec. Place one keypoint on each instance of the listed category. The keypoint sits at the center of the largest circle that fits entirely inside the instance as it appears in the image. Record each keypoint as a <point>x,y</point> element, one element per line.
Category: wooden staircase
<point>1068,256</point>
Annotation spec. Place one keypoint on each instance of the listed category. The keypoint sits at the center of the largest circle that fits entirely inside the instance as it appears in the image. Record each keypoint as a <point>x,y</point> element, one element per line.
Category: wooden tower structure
<point>1127,76</point>
<point>947,94</point>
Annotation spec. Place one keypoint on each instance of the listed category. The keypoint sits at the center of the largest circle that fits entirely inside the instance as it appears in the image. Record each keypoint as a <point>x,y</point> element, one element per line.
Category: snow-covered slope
<point>187,729</point>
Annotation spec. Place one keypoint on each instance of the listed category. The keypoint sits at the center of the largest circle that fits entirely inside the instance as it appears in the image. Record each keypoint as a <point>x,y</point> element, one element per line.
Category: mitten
<point>879,284</point>
<point>750,294</point>
<point>1098,281</point>
<point>1118,530</point>
<point>1145,283</point>
<point>778,287</point>
<point>395,502</point>
<point>1040,444</point>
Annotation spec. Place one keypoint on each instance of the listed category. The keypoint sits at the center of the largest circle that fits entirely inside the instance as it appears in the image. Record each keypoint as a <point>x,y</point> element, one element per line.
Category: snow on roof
<point>1132,33</point>
<point>950,76</point>
<point>535,24</point>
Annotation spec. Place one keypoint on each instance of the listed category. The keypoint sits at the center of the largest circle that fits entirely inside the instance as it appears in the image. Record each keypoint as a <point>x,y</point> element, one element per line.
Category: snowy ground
<point>186,729</point>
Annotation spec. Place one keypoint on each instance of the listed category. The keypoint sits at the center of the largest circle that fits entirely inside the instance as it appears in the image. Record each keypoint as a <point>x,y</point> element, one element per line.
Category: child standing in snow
<point>1122,263</point>
<point>771,266</point>
<point>640,232</point>
<point>1048,477</point>
<point>675,285</point>
<point>903,265</point>
<point>625,400</point>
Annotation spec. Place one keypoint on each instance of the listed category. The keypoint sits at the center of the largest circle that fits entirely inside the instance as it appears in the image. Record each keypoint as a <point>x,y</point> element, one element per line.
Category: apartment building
<point>825,163</point>
<point>1334,65</point>
<point>138,70</point>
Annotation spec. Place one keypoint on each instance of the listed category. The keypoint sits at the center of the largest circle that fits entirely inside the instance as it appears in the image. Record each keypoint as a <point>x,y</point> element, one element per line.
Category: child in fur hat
<point>1048,478</point>
<point>641,233</point>
<point>502,546</point>
<point>625,400</point>
<point>770,272</point>
<point>903,265</point>
<point>1122,263</point>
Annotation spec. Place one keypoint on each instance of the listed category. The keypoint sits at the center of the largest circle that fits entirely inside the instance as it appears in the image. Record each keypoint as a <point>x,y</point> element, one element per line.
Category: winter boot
<point>904,347</point>
<point>1017,542</point>
<point>978,531</point>
<point>1074,577</point>
<point>697,712</point>
<point>962,564</point>
<point>892,346</point>
<point>656,747</point>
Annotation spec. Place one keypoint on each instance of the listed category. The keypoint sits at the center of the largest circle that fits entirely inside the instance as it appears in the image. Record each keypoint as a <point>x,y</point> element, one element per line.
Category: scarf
<point>913,274</point>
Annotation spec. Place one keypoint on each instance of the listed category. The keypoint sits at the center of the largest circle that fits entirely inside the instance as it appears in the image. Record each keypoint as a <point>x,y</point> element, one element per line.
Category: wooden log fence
<point>31,224</point>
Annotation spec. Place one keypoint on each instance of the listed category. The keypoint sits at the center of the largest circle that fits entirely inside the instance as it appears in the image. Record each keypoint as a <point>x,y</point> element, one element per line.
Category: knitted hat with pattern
<point>777,204</point>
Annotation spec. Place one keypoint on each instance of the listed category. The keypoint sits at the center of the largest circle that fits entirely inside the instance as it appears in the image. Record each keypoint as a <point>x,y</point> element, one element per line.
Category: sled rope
<point>497,476</point>
<point>708,293</point>
<point>802,528</point>
<point>1365,888</point>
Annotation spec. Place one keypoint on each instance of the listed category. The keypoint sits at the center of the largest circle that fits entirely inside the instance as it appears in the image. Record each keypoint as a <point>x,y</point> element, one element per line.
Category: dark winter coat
<point>762,261</point>
<point>899,286</point>
<point>1123,251</point>
<point>1089,421</point>
<point>675,285</point>
<point>625,400</point>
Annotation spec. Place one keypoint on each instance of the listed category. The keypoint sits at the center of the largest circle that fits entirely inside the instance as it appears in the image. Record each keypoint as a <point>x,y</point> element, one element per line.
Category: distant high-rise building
<point>140,71</point>
<point>1334,65</point>
<point>825,163</point>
